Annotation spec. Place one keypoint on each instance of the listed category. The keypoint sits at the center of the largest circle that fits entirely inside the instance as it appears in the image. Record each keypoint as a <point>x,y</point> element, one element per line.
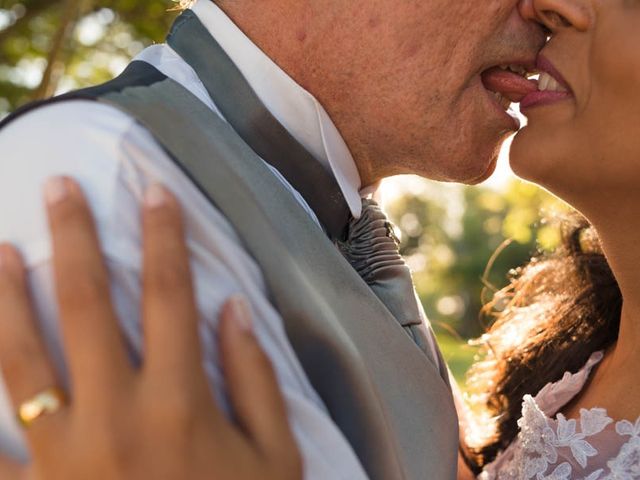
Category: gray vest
<point>381,390</point>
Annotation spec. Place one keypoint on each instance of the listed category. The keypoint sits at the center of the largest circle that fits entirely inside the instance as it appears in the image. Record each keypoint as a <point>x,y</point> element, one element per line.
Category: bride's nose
<point>556,15</point>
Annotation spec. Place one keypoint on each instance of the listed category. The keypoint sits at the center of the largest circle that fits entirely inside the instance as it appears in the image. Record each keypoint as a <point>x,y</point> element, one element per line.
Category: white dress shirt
<point>114,159</point>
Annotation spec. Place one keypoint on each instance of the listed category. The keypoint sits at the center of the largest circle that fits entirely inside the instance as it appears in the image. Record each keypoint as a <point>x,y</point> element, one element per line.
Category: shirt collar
<point>295,108</point>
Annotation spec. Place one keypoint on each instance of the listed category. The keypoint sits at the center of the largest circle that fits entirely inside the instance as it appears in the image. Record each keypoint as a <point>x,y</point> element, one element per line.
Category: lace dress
<point>552,447</point>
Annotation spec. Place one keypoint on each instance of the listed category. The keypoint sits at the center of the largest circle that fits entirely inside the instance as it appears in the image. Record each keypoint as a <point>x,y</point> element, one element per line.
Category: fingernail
<point>155,196</point>
<point>242,313</point>
<point>55,190</point>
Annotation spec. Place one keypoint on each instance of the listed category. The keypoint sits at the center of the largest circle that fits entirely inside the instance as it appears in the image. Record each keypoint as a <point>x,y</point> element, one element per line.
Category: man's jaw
<point>498,87</point>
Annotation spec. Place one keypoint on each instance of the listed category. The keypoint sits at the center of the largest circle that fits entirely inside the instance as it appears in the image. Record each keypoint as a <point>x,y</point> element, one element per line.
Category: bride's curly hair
<point>556,311</point>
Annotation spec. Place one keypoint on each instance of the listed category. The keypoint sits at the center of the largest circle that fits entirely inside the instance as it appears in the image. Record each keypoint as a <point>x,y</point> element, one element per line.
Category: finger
<point>11,470</point>
<point>26,366</point>
<point>169,310</point>
<point>253,388</point>
<point>93,342</point>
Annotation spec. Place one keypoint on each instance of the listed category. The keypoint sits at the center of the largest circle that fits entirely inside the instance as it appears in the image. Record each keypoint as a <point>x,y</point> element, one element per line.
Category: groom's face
<point>409,96</point>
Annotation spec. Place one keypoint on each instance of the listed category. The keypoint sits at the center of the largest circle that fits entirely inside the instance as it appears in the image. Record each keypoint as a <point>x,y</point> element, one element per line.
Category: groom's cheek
<point>414,83</point>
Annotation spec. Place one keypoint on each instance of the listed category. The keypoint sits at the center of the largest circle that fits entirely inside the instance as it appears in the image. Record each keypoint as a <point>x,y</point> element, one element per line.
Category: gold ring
<point>47,402</point>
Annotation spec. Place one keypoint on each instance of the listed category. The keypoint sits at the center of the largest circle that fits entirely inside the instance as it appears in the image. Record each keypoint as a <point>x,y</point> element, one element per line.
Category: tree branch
<point>55,63</point>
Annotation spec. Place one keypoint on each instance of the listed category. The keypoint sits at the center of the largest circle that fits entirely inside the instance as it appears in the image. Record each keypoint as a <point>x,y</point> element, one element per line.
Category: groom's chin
<point>484,170</point>
<point>486,174</point>
<point>484,158</point>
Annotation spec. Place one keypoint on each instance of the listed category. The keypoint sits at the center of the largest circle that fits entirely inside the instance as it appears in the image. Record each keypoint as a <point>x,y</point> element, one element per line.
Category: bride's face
<point>585,140</point>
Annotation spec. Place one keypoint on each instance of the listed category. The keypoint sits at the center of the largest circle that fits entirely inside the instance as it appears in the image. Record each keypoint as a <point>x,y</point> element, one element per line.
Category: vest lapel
<point>246,113</point>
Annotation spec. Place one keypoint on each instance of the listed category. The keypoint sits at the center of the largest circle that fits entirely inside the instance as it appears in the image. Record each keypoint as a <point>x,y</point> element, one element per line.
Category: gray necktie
<point>367,243</point>
<point>372,249</point>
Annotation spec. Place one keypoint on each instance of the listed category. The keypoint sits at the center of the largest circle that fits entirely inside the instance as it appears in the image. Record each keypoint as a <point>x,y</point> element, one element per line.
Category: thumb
<point>253,388</point>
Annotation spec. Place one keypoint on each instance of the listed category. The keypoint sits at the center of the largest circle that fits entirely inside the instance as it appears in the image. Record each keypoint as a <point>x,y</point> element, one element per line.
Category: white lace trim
<point>535,453</point>
<point>554,396</point>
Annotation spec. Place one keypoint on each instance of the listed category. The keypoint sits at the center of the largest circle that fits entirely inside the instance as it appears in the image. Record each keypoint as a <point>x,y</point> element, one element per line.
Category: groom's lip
<point>506,68</point>
<point>509,121</point>
<point>511,85</point>
<point>506,83</point>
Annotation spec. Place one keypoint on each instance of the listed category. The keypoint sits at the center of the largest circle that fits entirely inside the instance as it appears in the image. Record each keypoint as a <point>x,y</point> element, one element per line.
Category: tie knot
<point>371,245</point>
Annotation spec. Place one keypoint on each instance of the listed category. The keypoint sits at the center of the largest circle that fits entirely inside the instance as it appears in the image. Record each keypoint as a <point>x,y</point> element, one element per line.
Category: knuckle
<point>82,294</point>
<point>124,455</point>
<point>173,414</point>
<point>289,466</point>
<point>111,443</point>
<point>169,277</point>
<point>17,361</point>
<point>115,456</point>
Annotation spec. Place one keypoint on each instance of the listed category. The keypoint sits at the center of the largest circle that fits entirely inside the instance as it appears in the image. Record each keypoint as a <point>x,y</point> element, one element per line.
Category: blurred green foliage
<point>450,233</point>
<point>462,242</point>
<point>88,41</point>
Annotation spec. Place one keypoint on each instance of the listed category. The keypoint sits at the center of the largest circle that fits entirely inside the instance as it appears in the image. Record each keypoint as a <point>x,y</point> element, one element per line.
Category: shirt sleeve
<point>114,159</point>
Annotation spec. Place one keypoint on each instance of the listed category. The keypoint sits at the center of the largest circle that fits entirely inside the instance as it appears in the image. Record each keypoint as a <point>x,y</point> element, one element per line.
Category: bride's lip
<point>546,97</point>
<point>543,64</point>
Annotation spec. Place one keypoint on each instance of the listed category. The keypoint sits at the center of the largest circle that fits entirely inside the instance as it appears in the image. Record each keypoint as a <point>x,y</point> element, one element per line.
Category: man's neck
<point>280,28</point>
<point>294,35</point>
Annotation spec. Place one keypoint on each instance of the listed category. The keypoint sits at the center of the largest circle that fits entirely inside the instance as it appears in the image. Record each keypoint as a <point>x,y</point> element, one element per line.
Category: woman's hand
<point>157,422</point>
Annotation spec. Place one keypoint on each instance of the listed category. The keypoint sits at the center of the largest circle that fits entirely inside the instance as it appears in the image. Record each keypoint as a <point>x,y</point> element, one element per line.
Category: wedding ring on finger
<point>47,402</point>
